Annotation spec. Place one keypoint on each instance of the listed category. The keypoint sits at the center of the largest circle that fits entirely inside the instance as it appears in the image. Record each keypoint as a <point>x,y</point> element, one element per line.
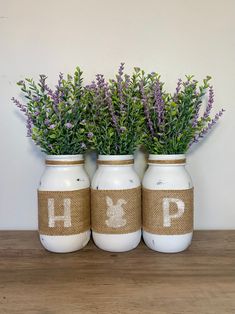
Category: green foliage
<point>116,114</point>
<point>56,119</point>
<point>175,119</point>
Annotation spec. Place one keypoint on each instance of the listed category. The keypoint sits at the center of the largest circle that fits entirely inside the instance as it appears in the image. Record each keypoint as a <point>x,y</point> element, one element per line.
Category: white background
<point>175,38</point>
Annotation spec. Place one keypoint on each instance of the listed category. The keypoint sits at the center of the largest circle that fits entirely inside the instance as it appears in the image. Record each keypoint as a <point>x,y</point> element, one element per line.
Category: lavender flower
<point>90,135</point>
<point>196,116</point>
<point>111,109</point>
<point>57,96</point>
<point>159,103</point>
<point>146,109</point>
<point>100,81</point>
<point>209,103</point>
<point>177,90</point>
<point>19,105</point>
<point>120,86</point>
<point>69,125</point>
<point>208,127</point>
<point>92,86</point>
<point>42,81</point>
<point>51,127</point>
<point>29,125</point>
<point>44,86</point>
<point>121,69</point>
<point>127,81</point>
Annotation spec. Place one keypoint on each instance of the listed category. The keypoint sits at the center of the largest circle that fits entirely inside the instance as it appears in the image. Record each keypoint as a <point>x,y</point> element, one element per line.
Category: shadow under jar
<point>116,204</point>
<point>64,204</point>
<point>167,204</point>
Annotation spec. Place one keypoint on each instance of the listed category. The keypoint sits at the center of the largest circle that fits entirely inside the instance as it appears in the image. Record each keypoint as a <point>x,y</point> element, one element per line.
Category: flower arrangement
<point>56,120</point>
<point>175,122</point>
<point>116,113</point>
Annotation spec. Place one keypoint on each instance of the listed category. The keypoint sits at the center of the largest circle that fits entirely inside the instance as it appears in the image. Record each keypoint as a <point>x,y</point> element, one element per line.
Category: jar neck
<point>64,160</point>
<point>167,160</point>
<point>115,160</point>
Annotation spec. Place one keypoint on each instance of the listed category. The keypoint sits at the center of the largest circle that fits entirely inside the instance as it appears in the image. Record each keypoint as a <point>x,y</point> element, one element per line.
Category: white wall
<point>173,37</point>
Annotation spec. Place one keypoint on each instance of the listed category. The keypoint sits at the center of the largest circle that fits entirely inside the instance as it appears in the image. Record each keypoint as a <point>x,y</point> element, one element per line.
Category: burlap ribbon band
<point>168,212</point>
<point>64,212</point>
<point>64,163</point>
<point>169,162</point>
<point>116,211</point>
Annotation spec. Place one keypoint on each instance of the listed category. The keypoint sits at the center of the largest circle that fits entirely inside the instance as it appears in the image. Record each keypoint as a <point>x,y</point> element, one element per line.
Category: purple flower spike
<point>29,125</point>
<point>127,80</point>
<point>159,103</point>
<point>100,81</point>
<point>19,105</point>
<point>57,96</point>
<point>111,109</point>
<point>146,109</point>
<point>177,90</point>
<point>210,103</point>
<point>196,116</point>
<point>120,85</point>
<point>121,69</point>
<point>208,127</point>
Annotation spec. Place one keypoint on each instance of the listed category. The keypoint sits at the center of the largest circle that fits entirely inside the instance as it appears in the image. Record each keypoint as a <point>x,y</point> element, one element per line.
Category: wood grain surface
<point>200,280</point>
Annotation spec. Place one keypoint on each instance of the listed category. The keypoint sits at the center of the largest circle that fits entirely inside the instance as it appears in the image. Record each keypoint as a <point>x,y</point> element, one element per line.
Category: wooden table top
<point>200,280</point>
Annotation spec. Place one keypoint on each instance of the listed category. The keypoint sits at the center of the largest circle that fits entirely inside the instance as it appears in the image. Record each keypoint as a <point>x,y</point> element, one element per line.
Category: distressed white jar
<point>116,177</point>
<point>167,176</point>
<point>64,177</point>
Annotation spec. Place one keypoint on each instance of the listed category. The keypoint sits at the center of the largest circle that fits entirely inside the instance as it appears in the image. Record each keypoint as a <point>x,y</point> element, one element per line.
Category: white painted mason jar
<point>64,204</point>
<point>116,204</point>
<point>167,204</point>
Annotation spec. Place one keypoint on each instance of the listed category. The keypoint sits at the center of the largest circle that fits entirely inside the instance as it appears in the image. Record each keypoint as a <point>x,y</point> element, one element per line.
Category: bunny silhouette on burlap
<point>115,212</point>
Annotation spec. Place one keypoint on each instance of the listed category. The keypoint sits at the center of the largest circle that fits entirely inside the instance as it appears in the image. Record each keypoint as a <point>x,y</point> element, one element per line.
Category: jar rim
<point>115,157</point>
<point>167,160</point>
<point>65,157</point>
<point>167,157</point>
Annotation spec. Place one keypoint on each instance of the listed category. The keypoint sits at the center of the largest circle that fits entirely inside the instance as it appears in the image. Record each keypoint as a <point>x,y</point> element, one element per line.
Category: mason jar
<point>116,204</point>
<point>64,204</point>
<point>167,204</point>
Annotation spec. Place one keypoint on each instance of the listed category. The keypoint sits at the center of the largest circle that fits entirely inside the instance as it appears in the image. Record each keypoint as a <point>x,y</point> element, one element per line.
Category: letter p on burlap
<point>168,212</point>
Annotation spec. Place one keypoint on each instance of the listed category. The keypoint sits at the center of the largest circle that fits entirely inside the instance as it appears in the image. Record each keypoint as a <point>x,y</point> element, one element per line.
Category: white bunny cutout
<point>115,213</point>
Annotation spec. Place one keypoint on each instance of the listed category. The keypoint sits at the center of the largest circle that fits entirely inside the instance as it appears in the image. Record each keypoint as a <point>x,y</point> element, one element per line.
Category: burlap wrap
<point>64,212</point>
<point>162,214</point>
<point>116,211</point>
